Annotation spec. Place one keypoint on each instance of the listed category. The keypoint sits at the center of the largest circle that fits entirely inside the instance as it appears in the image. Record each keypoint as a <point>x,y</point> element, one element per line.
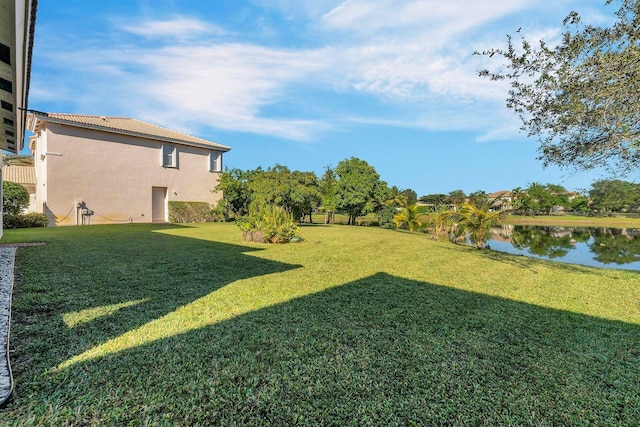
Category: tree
<point>408,217</point>
<point>479,198</point>
<point>360,190</point>
<point>476,222</point>
<point>296,192</point>
<point>328,185</point>
<point>236,195</point>
<point>580,97</point>
<point>436,199</point>
<point>456,197</point>
<point>397,199</point>
<point>411,196</point>
<point>17,160</point>
<point>15,198</point>
<point>614,195</point>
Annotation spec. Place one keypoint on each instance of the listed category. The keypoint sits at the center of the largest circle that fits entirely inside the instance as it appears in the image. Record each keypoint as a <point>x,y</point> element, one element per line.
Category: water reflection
<point>600,247</point>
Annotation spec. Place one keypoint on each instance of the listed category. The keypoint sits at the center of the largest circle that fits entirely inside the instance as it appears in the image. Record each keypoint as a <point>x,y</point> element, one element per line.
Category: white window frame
<point>169,155</point>
<point>215,161</point>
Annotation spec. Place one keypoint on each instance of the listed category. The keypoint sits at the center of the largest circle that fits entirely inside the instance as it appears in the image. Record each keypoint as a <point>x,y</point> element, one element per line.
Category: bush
<point>385,217</point>
<point>29,220</point>
<point>183,212</point>
<point>269,224</point>
<point>15,198</point>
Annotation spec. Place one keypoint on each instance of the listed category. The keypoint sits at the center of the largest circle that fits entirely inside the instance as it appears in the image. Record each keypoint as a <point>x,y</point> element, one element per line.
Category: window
<point>6,105</point>
<point>6,85</point>
<point>5,53</point>
<point>215,161</point>
<point>169,156</point>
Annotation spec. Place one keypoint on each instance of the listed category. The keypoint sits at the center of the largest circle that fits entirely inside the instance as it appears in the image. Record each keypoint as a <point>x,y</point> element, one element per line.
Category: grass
<point>188,325</point>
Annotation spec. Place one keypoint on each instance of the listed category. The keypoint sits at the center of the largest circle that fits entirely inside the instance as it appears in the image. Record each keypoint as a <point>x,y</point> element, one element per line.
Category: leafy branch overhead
<point>579,97</point>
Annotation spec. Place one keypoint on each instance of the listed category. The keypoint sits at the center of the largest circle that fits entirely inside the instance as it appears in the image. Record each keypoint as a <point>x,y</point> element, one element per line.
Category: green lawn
<point>189,325</point>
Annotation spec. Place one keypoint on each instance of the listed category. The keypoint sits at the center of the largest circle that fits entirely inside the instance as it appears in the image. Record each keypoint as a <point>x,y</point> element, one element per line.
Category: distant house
<point>105,170</point>
<point>501,199</point>
<point>25,176</point>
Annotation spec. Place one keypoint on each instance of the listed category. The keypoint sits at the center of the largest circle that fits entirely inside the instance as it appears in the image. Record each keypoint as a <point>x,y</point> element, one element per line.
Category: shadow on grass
<point>378,351</point>
<point>104,288</point>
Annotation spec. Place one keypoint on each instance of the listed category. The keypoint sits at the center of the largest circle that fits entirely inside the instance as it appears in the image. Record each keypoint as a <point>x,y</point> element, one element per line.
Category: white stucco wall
<point>113,175</point>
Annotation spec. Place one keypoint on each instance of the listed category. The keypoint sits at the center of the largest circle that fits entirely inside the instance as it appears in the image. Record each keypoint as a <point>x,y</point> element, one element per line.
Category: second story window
<point>215,161</point>
<point>169,156</point>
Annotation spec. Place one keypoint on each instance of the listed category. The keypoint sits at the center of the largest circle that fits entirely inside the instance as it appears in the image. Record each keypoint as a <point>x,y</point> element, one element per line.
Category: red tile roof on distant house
<point>122,125</point>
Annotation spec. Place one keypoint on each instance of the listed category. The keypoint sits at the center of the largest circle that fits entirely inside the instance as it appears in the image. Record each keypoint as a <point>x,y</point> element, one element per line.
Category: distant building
<point>105,170</point>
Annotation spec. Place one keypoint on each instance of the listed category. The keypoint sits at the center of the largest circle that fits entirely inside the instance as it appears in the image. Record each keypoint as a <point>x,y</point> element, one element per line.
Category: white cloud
<point>179,27</point>
<point>409,55</point>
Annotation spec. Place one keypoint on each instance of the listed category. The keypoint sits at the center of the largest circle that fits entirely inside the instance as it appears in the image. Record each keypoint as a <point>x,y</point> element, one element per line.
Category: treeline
<point>352,188</point>
<point>604,197</point>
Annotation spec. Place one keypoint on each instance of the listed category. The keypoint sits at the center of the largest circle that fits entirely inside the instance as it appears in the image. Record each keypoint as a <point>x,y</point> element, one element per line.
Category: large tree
<point>614,195</point>
<point>360,190</point>
<point>579,96</point>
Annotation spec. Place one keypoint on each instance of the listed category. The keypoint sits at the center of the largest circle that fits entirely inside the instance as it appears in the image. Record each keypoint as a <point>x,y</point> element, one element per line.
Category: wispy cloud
<point>179,27</point>
<point>407,55</point>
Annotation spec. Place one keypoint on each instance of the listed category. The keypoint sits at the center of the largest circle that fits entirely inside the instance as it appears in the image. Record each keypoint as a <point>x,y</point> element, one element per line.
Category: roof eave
<point>43,117</point>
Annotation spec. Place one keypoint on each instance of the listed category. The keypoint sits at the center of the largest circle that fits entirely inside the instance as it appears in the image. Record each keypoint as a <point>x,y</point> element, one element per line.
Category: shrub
<point>385,217</point>
<point>15,198</point>
<point>29,220</point>
<point>270,224</point>
<point>183,212</point>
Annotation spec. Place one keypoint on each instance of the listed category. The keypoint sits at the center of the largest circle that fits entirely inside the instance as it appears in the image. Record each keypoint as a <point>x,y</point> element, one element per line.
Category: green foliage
<point>614,195</point>
<point>360,190</point>
<point>234,185</point>
<point>328,186</point>
<point>410,195</point>
<point>479,198</point>
<point>408,218</point>
<point>441,223</point>
<point>185,212</point>
<point>476,222</point>
<point>269,224</point>
<point>456,197</point>
<point>436,199</point>
<point>17,160</point>
<point>580,96</point>
<point>30,220</point>
<point>385,216</point>
<point>296,192</point>
<point>15,198</point>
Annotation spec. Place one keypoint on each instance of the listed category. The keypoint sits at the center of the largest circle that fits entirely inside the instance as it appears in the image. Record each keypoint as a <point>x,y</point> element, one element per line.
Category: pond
<point>597,247</point>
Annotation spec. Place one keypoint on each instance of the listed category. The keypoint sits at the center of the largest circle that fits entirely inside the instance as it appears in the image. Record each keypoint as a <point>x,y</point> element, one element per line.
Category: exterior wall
<point>113,175</point>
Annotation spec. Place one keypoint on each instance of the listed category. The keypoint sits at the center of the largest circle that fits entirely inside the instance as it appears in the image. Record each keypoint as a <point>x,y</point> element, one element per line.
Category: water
<point>597,247</point>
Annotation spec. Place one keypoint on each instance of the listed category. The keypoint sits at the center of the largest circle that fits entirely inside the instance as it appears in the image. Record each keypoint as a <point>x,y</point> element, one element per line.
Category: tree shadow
<point>382,350</point>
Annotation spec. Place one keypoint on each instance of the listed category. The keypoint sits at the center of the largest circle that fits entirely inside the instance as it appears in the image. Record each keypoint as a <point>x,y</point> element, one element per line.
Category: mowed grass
<point>188,325</point>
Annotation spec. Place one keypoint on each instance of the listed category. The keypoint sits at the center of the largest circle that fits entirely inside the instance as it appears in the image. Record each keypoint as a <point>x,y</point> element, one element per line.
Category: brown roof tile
<point>128,126</point>
<point>19,174</point>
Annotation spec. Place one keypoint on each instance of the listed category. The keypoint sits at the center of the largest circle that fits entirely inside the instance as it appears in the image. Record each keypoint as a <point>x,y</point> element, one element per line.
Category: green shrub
<point>184,212</point>
<point>15,198</point>
<point>270,224</point>
<point>29,220</point>
<point>385,217</point>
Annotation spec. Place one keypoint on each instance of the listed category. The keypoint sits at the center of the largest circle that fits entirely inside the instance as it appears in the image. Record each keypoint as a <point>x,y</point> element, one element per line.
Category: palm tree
<point>396,198</point>
<point>477,222</point>
<point>409,217</point>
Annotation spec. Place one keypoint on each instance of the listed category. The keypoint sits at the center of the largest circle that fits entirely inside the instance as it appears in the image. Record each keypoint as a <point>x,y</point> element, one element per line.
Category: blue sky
<point>307,84</point>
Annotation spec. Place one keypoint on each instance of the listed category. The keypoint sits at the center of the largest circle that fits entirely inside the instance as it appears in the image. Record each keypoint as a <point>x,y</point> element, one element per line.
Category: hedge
<point>183,212</point>
<point>29,220</point>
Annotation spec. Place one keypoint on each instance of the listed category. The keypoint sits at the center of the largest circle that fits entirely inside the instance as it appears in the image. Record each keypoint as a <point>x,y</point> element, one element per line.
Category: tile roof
<point>19,174</point>
<point>128,126</point>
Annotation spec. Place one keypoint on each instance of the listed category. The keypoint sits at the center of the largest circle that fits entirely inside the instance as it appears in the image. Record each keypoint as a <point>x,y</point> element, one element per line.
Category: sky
<point>306,84</point>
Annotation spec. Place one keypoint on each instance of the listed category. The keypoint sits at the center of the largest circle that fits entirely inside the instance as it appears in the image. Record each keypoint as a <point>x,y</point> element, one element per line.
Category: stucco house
<point>107,170</point>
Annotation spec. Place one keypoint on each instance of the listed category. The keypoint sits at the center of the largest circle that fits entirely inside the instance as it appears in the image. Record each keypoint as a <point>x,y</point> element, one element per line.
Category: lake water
<point>597,247</point>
